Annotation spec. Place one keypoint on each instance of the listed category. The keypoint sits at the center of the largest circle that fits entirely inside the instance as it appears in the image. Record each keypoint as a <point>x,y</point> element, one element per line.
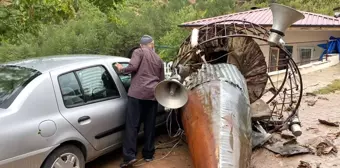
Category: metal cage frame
<point>286,96</point>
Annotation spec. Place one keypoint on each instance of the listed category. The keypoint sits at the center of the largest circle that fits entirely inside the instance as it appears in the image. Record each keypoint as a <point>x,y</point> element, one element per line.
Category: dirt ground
<point>262,158</point>
<point>178,158</point>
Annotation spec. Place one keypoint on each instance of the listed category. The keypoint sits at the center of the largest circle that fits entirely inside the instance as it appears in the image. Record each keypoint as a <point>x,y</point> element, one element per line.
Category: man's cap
<point>146,39</point>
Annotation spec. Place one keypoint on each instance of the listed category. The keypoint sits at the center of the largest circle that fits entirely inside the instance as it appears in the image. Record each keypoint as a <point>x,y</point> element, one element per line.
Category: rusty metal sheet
<point>217,119</point>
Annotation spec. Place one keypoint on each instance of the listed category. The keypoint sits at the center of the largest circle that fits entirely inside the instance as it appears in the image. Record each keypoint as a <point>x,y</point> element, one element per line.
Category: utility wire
<point>178,135</point>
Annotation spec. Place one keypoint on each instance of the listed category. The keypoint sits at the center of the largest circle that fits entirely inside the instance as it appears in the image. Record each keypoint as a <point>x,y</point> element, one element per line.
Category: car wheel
<point>67,156</point>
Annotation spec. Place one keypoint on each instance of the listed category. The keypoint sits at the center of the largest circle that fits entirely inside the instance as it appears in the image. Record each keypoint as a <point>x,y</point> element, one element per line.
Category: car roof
<point>48,63</point>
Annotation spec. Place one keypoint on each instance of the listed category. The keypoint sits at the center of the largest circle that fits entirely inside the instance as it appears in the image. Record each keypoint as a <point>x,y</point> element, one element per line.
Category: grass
<point>331,88</point>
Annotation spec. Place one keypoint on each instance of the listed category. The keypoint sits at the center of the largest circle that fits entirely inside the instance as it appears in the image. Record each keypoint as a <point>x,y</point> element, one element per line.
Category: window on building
<point>290,49</point>
<point>306,54</point>
<point>87,85</point>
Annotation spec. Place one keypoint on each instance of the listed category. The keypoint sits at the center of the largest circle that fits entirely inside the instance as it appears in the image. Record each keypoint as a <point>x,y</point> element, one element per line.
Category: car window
<point>93,84</point>
<point>97,83</point>
<point>70,90</point>
<point>125,64</point>
<point>12,80</point>
<point>124,78</point>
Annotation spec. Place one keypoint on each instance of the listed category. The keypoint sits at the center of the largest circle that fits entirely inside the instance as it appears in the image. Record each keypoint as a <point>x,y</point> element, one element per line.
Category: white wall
<point>294,38</point>
<point>332,60</point>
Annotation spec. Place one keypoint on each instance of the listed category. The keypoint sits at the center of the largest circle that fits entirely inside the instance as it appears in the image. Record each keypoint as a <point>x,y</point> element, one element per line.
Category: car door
<point>90,100</point>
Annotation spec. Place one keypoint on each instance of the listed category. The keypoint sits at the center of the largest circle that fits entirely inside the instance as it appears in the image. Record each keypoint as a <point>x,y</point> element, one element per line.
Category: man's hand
<point>119,66</point>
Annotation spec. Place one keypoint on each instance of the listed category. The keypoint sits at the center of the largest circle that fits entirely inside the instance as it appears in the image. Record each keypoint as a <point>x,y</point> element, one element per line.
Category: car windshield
<point>12,80</point>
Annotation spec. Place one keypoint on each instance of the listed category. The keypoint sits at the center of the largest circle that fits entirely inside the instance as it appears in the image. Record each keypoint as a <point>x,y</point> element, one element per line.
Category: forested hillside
<point>31,28</point>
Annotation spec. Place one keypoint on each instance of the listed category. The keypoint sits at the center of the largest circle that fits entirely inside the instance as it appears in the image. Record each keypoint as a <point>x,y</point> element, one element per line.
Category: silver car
<point>61,112</point>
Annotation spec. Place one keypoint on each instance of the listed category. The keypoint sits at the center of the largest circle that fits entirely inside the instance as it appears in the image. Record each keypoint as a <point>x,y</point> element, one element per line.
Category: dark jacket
<point>147,70</point>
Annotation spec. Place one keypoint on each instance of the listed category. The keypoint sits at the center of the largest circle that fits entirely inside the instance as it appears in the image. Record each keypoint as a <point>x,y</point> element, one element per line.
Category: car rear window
<point>12,80</point>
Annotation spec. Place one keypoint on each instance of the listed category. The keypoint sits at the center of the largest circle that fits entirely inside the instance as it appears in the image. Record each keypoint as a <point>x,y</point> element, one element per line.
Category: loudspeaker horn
<point>171,94</point>
<point>283,17</point>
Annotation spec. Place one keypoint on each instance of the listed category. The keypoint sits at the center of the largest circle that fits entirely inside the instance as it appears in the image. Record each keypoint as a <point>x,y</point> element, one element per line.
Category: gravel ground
<point>262,158</point>
<point>309,115</point>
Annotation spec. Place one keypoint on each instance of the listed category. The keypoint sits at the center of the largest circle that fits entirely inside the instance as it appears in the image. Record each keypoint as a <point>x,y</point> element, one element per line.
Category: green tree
<point>176,35</point>
<point>30,28</point>
<point>88,33</point>
<point>27,16</point>
<point>106,5</point>
<point>215,7</point>
<point>316,6</point>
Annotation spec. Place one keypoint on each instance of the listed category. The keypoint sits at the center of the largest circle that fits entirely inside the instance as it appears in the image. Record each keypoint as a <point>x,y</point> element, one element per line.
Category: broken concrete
<point>310,94</point>
<point>311,102</point>
<point>322,146</point>
<point>304,164</point>
<point>288,148</point>
<point>323,98</point>
<point>260,110</point>
<point>333,135</point>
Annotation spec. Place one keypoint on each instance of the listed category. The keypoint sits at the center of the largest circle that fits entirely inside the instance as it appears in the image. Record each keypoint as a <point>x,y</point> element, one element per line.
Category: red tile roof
<point>264,17</point>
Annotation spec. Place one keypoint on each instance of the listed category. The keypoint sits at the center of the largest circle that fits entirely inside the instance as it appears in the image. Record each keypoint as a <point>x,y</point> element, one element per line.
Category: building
<point>302,38</point>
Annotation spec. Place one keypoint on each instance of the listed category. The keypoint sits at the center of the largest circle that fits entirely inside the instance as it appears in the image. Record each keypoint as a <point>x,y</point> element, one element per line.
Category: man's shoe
<point>149,159</point>
<point>128,163</point>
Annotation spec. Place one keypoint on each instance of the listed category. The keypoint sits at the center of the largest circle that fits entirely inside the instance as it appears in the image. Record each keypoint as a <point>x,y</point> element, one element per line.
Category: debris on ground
<point>289,108</point>
<point>304,164</point>
<point>288,148</point>
<point>275,138</point>
<point>323,98</point>
<point>292,141</point>
<point>313,130</point>
<point>258,139</point>
<point>264,158</point>
<point>260,110</point>
<point>261,137</point>
<point>287,135</point>
<point>333,135</point>
<point>310,94</point>
<point>322,146</point>
<point>318,165</point>
<point>311,102</point>
<point>329,123</point>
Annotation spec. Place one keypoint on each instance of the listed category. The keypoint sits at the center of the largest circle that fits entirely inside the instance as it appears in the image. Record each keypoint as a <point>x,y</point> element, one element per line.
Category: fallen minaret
<point>220,71</point>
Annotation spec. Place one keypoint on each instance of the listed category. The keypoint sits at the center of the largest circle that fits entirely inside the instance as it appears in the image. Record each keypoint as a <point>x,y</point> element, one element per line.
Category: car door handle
<point>82,119</point>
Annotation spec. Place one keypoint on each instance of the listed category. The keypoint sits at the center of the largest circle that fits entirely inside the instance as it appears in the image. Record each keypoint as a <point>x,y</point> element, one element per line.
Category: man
<point>147,70</point>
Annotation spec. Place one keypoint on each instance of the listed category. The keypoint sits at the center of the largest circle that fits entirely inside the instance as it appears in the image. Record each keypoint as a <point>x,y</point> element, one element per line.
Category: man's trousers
<point>139,111</point>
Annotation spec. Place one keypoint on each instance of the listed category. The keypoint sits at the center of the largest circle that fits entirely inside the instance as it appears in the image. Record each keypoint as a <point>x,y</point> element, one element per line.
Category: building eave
<point>294,27</point>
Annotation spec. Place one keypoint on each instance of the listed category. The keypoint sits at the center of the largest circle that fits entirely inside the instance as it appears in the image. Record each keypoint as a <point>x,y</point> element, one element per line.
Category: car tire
<point>63,157</point>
